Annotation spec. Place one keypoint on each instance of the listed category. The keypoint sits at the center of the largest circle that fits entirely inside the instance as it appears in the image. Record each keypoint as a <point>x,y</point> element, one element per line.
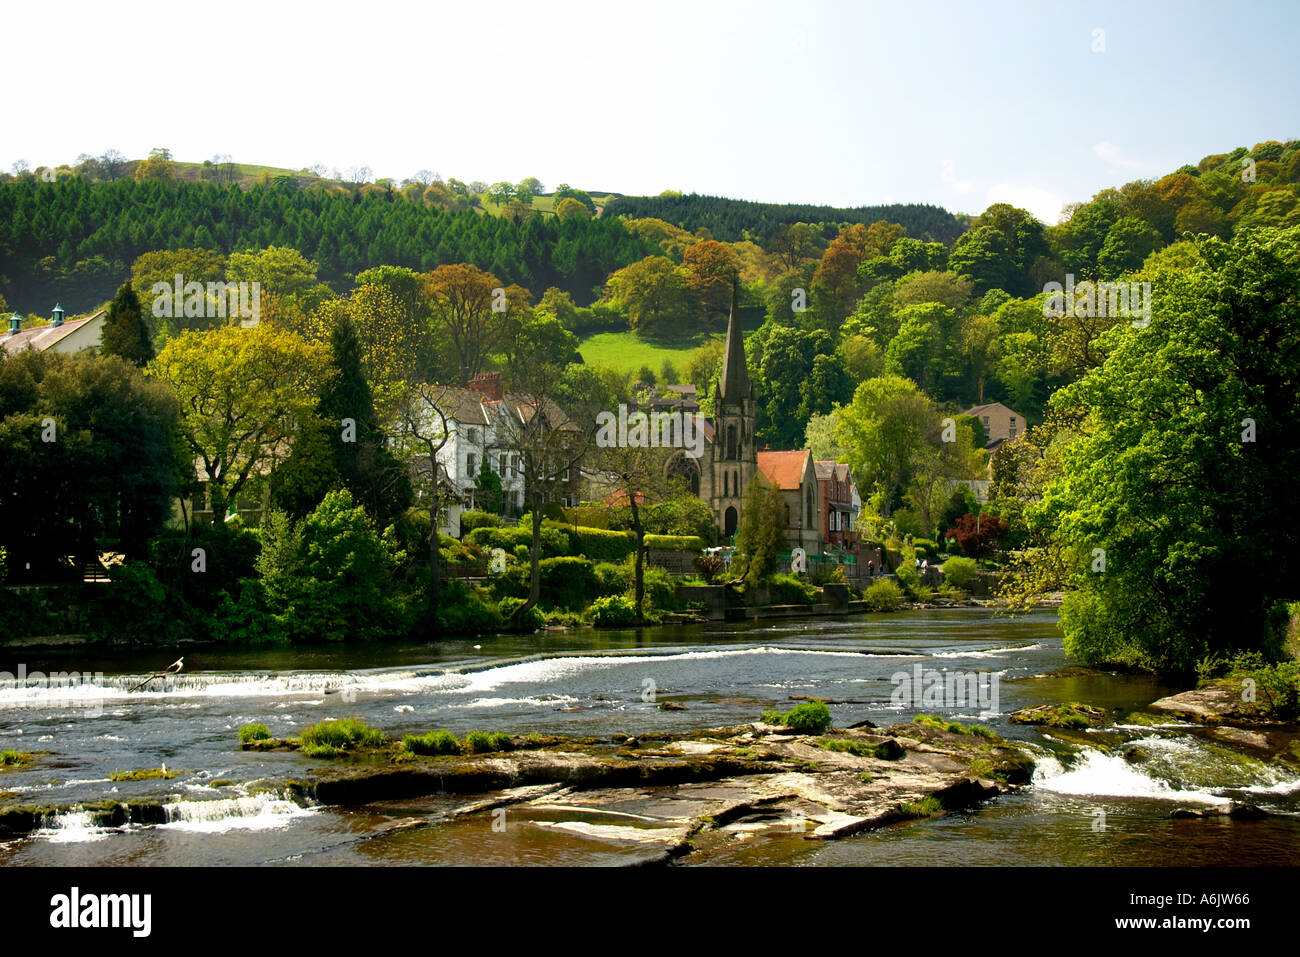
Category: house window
<point>1013,432</point>
<point>1013,421</point>
<point>471,462</point>
<point>986,421</point>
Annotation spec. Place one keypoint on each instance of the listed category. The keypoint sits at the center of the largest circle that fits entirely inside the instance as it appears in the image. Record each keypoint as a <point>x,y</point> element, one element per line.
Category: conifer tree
<point>126,334</point>
<point>368,469</point>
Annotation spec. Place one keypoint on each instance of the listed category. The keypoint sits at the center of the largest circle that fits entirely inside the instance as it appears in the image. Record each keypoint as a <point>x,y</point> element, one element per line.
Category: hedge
<point>474,518</point>
<point>675,543</point>
<point>554,542</point>
<point>599,544</point>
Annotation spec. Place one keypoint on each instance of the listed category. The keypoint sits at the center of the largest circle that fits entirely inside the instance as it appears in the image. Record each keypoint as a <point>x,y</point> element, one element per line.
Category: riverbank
<point>76,643</point>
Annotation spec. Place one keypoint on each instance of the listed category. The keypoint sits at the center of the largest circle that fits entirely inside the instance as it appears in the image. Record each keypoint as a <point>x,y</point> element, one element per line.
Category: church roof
<point>734,383</point>
<point>785,470</point>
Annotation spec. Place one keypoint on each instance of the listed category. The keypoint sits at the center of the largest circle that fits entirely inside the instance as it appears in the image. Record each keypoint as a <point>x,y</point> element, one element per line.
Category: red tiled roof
<point>785,470</point>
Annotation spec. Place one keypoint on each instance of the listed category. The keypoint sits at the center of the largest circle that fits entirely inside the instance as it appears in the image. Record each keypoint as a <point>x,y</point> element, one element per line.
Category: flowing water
<point>1087,805</point>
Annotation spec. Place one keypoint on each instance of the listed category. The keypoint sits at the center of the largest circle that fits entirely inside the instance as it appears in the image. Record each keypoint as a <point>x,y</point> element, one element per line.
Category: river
<point>1085,806</point>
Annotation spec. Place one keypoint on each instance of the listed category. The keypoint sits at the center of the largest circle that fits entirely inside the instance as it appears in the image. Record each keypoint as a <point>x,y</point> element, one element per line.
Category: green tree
<point>883,429</point>
<point>240,392</point>
<point>487,489</point>
<point>1177,497</point>
<point>760,536</point>
<point>570,208</point>
<point>126,333</point>
<point>327,578</point>
<point>655,296</point>
<point>87,453</point>
<point>1128,243</point>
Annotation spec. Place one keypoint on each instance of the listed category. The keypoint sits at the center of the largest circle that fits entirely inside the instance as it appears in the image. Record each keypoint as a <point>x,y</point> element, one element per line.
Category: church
<point>732,457</point>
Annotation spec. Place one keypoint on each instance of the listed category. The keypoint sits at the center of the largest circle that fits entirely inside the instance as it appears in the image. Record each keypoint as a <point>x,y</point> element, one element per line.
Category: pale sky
<point>847,103</point>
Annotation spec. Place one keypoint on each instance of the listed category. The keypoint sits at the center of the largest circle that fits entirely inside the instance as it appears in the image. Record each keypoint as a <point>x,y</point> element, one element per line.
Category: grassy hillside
<point>627,352</point>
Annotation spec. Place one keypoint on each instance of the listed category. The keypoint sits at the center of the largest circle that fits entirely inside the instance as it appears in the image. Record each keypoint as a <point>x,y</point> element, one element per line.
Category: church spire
<point>734,384</point>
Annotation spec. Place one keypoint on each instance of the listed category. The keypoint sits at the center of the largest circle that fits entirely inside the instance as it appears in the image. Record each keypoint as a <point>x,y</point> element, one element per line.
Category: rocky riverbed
<point>670,796</point>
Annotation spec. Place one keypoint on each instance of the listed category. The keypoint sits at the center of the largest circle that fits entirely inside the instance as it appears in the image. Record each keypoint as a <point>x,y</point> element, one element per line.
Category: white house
<point>61,335</point>
<point>484,424</point>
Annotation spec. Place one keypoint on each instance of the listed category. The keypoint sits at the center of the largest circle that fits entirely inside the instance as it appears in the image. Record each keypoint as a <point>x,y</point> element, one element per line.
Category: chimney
<point>56,317</point>
<point>488,385</point>
<point>15,324</point>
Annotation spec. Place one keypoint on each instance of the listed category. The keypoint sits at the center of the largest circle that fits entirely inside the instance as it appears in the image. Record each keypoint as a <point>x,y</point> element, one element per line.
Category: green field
<point>627,352</point>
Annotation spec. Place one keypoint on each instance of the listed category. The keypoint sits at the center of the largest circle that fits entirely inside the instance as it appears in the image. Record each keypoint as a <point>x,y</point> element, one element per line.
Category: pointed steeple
<point>734,384</point>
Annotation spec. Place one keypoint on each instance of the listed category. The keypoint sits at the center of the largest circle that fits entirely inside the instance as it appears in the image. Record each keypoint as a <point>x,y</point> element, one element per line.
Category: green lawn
<point>627,352</point>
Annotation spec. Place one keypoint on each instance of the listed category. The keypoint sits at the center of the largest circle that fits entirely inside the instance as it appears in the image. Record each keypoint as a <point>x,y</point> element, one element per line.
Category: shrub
<point>474,518</point>
<point>926,807</point>
<point>978,535</point>
<point>433,742</point>
<point>925,548</point>
<point>660,587</point>
<point>566,582</point>
<point>709,566</point>
<point>883,595</point>
<point>939,723</point>
<point>254,732</point>
<point>345,734</point>
<point>464,609</point>
<point>811,717</point>
<point>245,620</point>
<point>613,611</point>
<point>483,741</point>
<point>532,619</point>
<point>791,590</point>
<point>134,604</point>
<point>1277,686</point>
<point>959,571</point>
<point>829,574</point>
<point>611,579</point>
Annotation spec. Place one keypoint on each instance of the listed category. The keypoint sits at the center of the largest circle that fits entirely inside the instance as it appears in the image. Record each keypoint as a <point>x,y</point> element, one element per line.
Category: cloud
<point>1115,157</point>
<point>1042,203</point>
<point>949,175</point>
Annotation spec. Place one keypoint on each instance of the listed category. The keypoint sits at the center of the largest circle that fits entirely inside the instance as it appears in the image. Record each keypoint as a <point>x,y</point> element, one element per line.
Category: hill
<point>731,220</point>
